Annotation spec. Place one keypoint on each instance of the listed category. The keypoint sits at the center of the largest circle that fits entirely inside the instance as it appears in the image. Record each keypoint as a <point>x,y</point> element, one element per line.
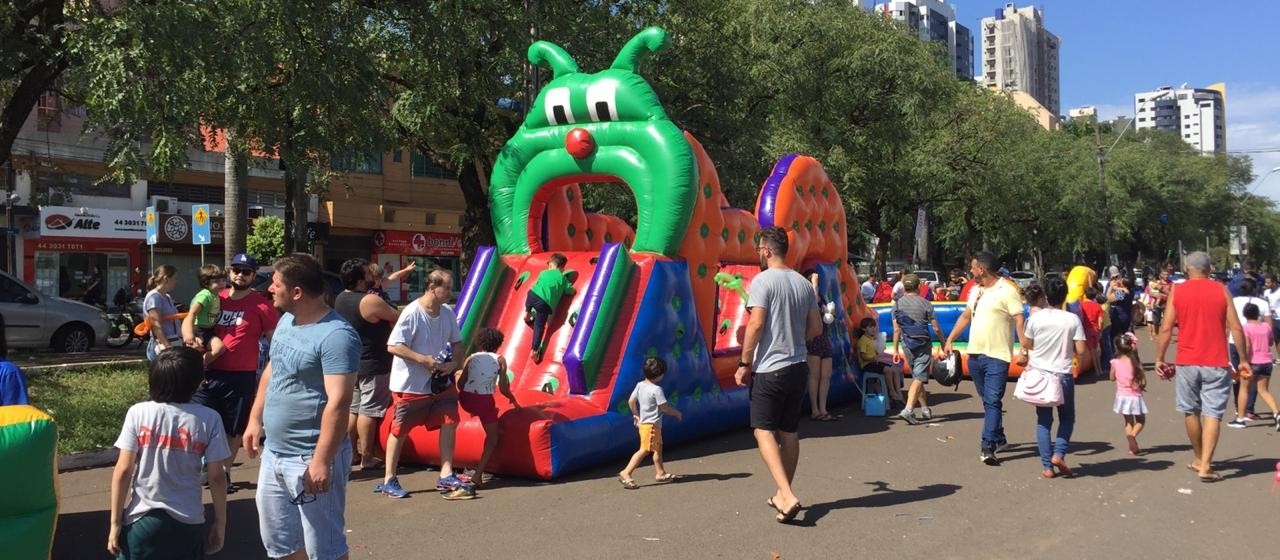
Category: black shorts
<point>231,394</point>
<point>206,334</point>
<point>874,367</point>
<point>819,346</point>
<point>776,397</point>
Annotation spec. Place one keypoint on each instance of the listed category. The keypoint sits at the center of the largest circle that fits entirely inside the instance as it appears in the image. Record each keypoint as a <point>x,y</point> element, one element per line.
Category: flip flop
<point>1192,467</point>
<point>1211,477</point>
<point>789,515</point>
<point>667,478</point>
<point>628,483</point>
<point>769,502</point>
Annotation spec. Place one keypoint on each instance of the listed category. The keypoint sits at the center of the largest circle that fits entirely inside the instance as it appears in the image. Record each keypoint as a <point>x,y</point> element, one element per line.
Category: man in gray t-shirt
<point>784,315</point>
<point>913,343</point>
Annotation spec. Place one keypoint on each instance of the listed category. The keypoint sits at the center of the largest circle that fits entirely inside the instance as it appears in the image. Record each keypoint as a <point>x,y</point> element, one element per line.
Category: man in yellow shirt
<point>995,311</point>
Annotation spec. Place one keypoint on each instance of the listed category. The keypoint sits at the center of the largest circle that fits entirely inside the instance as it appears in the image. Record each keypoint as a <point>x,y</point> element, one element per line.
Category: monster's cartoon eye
<point>557,106</point>
<point>602,101</point>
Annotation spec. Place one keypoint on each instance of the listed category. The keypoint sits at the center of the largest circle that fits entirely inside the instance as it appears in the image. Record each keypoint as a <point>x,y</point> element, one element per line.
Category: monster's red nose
<point>579,143</point>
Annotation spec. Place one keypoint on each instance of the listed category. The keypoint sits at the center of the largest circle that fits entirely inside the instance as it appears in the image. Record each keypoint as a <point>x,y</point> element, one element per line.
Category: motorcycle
<point>121,324</point>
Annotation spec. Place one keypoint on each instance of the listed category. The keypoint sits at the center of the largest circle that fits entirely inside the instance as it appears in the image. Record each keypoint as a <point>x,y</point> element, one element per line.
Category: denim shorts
<point>290,519</point>
<point>920,363</point>
<point>1203,390</point>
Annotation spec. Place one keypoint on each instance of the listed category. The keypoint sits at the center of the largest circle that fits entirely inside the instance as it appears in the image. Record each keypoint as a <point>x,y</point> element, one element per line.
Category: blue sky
<point>1112,49</point>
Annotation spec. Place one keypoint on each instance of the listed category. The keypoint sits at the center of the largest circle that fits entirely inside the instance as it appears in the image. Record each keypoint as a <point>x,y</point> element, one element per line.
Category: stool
<point>873,403</point>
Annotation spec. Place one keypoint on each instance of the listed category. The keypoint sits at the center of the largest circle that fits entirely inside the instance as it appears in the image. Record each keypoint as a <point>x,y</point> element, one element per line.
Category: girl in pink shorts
<point>481,372</point>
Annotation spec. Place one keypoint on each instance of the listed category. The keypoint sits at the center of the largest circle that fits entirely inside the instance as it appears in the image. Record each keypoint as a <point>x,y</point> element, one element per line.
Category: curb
<point>87,459</point>
<point>76,365</point>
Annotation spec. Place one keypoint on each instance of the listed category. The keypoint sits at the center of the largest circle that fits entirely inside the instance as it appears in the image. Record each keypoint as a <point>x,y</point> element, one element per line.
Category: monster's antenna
<point>560,61</point>
<point>651,39</point>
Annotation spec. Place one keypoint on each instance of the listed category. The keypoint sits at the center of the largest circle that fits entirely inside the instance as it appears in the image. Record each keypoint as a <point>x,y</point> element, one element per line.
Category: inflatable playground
<point>648,292</point>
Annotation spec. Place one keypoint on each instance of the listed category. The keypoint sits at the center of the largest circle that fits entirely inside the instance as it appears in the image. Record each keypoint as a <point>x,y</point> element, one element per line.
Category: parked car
<point>34,320</point>
<point>332,283</point>
<point>932,277</point>
<point>1023,278</point>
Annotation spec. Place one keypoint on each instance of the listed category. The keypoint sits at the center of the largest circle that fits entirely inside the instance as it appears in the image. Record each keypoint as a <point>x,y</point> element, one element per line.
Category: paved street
<point>871,487</point>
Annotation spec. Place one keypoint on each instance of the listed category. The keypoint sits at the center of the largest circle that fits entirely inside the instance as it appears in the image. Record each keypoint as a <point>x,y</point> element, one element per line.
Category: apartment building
<point>1198,115</point>
<point>1020,54</point>
<point>935,21</point>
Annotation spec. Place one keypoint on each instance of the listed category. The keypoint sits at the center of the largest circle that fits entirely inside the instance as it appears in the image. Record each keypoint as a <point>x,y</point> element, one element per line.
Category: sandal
<point>789,515</point>
<point>1061,464</point>
<point>668,477</point>
<point>628,483</point>
<point>1211,477</point>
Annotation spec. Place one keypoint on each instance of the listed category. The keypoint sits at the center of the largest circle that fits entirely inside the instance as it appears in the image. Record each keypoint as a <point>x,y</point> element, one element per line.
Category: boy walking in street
<point>648,403</point>
<point>551,285</point>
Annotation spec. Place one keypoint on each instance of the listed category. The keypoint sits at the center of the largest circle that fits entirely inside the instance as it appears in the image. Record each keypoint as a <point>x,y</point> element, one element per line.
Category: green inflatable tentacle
<point>560,61</point>
<point>652,39</point>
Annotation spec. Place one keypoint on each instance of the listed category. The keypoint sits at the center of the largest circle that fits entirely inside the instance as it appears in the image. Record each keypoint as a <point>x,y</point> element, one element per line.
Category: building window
<point>49,112</point>
<point>1142,119</point>
<point>76,185</point>
<point>395,156</point>
<point>358,163</point>
<point>422,166</point>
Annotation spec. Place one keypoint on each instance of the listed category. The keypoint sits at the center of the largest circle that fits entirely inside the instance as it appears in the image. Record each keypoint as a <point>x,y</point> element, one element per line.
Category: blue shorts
<point>291,520</point>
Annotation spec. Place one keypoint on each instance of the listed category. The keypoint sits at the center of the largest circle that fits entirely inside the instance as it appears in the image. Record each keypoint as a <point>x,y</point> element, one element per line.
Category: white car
<point>34,320</point>
<point>1023,278</point>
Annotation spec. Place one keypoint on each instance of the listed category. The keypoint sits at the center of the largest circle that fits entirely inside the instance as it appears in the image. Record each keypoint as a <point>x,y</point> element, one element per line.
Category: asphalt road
<point>871,487</point>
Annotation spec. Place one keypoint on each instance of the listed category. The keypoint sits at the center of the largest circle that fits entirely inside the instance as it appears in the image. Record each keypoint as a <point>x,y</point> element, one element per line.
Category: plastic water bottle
<point>445,355</point>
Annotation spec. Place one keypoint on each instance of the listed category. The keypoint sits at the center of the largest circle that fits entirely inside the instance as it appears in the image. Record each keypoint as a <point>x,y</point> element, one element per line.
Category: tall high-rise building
<point>1018,53</point>
<point>935,21</point>
<point>1198,115</point>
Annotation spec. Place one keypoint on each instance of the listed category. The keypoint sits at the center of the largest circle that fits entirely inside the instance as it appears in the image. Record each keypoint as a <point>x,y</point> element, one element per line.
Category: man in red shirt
<point>1203,312</point>
<point>232,380</point>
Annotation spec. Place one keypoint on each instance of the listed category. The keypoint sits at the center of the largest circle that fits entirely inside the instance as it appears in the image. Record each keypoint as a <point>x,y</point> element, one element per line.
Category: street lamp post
<point>10,232</point>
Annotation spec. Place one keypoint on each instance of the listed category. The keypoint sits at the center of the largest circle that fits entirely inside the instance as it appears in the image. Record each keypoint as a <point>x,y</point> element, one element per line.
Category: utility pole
<point>1102,188</point>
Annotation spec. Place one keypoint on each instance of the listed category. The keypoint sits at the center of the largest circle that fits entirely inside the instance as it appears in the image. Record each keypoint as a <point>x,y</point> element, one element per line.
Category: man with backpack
<point>913,343</point>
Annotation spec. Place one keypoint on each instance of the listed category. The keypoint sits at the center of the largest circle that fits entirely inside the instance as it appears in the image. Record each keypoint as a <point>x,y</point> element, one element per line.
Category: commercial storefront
<point>394,250</point>
<point>74,243</point>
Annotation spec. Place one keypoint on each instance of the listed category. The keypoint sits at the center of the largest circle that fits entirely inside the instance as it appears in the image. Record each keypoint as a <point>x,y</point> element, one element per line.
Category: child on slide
<point>551,285</point>
<point>481,372</point>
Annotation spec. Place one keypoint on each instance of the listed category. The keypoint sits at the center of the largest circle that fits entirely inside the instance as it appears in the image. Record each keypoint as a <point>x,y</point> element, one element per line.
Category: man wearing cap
<point>232,380</point>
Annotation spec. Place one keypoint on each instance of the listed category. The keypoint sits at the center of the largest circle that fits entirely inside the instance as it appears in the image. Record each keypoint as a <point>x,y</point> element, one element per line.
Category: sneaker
<point>909,415</point>
<point>1251,417</point>
<point>1238,423</point>
<point>392,489</point>
<point>1003,445</point>
<point>452,482</point>
<point>989,458</point>
<point>926,414</point>
<point>459,493</point>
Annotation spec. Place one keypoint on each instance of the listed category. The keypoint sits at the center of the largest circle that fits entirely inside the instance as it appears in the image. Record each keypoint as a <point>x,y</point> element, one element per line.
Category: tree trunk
<point>235,201</point>
<point>477,222</point>
<point>42,76</point>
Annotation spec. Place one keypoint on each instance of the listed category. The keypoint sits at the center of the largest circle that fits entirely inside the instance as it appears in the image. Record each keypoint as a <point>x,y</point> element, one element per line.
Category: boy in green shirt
<point>204,312</point>
<point>543,297</point>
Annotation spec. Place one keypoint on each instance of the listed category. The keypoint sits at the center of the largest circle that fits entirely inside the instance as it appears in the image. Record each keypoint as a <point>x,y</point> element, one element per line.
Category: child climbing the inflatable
<point>480,373</point>
<point>648,403</point>
<point>551,285</point>
<point>205,308</point>
<point>156,510</point>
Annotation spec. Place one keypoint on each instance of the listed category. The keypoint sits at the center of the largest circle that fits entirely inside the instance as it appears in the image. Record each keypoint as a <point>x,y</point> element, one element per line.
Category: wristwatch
<point>743,364</point>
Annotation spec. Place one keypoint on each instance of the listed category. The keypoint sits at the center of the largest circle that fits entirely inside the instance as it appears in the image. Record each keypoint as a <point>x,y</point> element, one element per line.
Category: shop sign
<point>423,243</point>
<point>176,229</point>
<point>66,221</point>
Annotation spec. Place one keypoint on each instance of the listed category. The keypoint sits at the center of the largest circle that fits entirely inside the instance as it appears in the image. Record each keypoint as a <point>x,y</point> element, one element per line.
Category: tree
<point>266,243</point>
<point>33,56</point>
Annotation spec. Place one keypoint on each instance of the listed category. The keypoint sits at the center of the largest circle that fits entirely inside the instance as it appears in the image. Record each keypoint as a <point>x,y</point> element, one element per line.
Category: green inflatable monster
<point>602,127</point>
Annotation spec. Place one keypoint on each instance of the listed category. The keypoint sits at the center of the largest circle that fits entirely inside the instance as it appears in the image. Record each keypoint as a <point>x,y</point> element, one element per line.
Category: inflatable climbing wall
<point>638,294</point>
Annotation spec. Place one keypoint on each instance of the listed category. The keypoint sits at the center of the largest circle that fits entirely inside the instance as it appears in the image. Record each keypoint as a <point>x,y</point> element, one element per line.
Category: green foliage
<point>88,404</point>
<point>266,243</point>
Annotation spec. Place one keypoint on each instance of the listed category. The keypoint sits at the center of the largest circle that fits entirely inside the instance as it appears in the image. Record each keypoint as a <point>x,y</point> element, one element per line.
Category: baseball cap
<point>244,260</point>
<point>910,281</point>
<point>1113,272</point>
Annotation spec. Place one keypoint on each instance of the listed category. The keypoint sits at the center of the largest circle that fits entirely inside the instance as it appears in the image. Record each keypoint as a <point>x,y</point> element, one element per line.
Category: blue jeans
<point>1066,422</point>
<point>990,376</point>
<point>1104,339</point>
<point>290,519</point>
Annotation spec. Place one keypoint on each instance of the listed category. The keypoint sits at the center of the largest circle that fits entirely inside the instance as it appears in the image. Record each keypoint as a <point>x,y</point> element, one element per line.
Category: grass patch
<point>88,404</point>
